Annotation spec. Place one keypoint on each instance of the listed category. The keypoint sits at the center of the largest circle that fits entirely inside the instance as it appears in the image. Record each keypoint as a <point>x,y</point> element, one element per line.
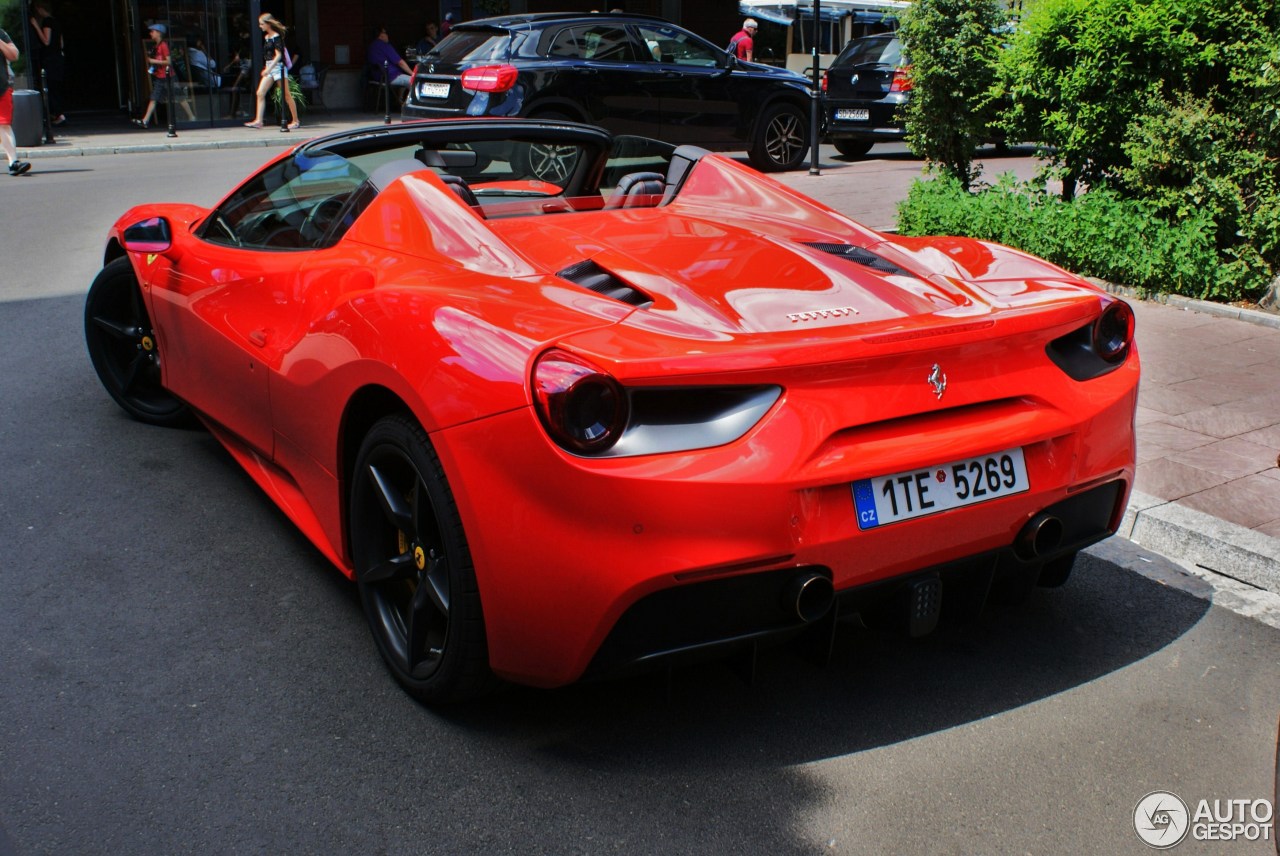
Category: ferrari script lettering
<point>820,314</point>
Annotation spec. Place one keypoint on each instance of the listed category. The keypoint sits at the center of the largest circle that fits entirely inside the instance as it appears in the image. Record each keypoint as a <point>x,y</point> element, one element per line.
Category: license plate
<point>903,496</point>
<point>433,90</point>
<point>852,115</point>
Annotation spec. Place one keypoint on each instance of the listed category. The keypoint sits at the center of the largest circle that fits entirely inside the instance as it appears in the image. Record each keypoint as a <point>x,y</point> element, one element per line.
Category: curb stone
<point>1203,540</point>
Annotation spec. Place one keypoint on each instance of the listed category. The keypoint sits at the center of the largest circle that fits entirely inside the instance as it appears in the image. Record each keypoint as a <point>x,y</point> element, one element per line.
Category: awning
<point>786,12</point>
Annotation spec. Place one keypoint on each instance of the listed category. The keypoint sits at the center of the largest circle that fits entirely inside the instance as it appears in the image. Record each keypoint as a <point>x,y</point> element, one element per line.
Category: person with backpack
<point>743,44</point>
<point>275,71</point>
<point>8,54</point>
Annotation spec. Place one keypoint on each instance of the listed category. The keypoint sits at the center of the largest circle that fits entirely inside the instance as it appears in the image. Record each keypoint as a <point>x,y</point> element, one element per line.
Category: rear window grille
<point>591,276</point>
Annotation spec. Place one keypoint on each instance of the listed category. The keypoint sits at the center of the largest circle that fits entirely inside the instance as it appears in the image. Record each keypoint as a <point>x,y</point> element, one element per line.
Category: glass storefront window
<point>216,47</point>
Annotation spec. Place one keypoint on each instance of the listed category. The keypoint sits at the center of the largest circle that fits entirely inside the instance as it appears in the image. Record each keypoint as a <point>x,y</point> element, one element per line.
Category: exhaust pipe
<point>809,596</point>
<point>1040,537</point>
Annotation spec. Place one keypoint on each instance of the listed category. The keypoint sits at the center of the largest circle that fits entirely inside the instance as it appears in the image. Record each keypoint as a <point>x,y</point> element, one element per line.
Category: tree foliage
<point>953,47</point>
<point>1168,109</point>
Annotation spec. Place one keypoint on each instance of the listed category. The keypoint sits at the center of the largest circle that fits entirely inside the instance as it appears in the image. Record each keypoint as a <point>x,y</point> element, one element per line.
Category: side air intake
<point>860,255</point>
<point>591,276</point>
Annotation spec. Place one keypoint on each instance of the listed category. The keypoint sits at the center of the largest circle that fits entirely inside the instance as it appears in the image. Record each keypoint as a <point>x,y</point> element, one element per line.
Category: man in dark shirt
<point>381,51</point>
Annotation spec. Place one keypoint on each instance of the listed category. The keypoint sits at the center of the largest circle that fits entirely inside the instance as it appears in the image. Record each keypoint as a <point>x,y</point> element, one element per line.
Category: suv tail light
<point>824,81</point>
<point>490,78</point>
<point>901,80</point>
<point>584,409</point>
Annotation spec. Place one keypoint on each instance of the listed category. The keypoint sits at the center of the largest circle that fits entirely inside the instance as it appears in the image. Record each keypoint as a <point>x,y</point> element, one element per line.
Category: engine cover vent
<point>860,255</point>
<point>591,276</point>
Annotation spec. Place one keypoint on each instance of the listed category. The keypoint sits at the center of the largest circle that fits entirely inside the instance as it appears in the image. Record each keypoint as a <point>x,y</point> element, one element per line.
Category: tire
<point>1055,572</point>
<point>124,349</point>
<point>852,148</point>
<point>781,139</point>
<point>413,566</point>
<point>552,164</point>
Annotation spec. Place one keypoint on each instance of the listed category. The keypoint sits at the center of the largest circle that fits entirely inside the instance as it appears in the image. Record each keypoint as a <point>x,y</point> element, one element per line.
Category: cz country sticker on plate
<point>903,496</point>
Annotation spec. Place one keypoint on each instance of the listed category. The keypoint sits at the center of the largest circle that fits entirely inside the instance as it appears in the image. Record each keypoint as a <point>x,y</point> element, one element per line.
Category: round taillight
<point>1113,332</point>
<point>583,409</point>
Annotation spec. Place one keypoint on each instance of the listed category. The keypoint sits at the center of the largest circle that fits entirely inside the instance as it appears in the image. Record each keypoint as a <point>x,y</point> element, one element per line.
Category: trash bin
<point>28,118</point>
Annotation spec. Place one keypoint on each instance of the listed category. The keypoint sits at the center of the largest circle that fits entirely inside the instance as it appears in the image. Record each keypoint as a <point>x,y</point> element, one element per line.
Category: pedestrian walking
<point>275,71</point>
<point>8,54</point>
<point>743,44</point>
<point>160,67</point>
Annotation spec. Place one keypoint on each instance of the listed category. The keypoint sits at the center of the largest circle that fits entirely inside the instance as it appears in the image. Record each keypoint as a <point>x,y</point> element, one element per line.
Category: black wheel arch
<point>752,119</point>
<point>367,407</point>
<point>572,110</point>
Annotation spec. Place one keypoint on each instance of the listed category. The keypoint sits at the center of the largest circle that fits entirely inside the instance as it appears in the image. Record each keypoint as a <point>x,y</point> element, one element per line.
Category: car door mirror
<point>148,236</point>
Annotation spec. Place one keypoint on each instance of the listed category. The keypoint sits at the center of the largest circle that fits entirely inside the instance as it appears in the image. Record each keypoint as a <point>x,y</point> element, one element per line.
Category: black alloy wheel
<point>781,139</point>
<point>546,162</point>
<point>413,567</point>
<point>124,349</point>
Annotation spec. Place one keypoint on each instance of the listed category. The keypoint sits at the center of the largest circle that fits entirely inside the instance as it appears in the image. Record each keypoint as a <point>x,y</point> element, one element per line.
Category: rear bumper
<point>713,618</point>
<point>600,563</point>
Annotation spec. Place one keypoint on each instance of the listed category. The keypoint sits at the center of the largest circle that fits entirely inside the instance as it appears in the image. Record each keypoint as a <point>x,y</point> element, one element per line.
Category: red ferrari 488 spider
<point>564,404</point>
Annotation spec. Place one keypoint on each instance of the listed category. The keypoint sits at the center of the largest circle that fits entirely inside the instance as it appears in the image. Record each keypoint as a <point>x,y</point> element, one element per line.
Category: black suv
<point>631,74</point>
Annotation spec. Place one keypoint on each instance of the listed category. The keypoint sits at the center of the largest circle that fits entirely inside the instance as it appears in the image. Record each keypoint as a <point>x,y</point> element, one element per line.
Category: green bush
<point>953,45</point>
<point>1100,234</point>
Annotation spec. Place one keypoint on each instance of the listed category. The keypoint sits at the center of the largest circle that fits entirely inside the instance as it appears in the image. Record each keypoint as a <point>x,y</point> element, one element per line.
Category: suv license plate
<point>852,115</point>
<point>433,90</point>
<point>903,496</point>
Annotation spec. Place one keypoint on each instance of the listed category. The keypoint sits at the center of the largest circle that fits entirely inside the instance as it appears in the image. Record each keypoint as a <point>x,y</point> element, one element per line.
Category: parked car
<point>662,407</point>
<point>864,90</point>
<point>630,74</point>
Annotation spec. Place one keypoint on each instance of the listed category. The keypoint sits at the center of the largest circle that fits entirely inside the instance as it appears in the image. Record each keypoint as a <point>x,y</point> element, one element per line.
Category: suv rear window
<point>872,50</point>
<point>473,46</point>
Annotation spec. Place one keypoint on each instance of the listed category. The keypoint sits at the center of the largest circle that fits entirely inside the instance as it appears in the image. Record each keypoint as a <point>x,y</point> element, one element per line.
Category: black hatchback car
<point>864,90</point>
<point>631,74</point>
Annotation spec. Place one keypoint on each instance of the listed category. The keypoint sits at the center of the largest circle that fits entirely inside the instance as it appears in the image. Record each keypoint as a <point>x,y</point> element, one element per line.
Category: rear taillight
<point>584,409</point>
<point>1113,332</point>
<point>824,81</point>
<point>490,78</point>
<point>901,80</point>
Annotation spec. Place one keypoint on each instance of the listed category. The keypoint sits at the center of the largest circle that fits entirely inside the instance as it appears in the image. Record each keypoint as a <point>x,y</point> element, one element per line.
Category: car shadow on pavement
<point>879,689</point>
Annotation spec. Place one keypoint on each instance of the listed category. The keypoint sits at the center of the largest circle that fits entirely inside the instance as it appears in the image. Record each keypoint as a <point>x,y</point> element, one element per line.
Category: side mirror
<point>730,62</point>
<point>148,236</point>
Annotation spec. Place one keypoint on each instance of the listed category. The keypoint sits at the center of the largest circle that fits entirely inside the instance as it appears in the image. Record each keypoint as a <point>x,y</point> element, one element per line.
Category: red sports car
<point>564,404</point>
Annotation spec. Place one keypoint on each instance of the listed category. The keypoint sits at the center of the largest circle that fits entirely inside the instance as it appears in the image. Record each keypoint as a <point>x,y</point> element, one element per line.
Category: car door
<point>596,66</point>
<point>219,313</point>
<point>234,303</point>
<point>693,83</point>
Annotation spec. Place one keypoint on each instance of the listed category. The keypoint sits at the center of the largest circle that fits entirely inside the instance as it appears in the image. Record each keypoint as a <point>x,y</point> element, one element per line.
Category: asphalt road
<point>181,672</point>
